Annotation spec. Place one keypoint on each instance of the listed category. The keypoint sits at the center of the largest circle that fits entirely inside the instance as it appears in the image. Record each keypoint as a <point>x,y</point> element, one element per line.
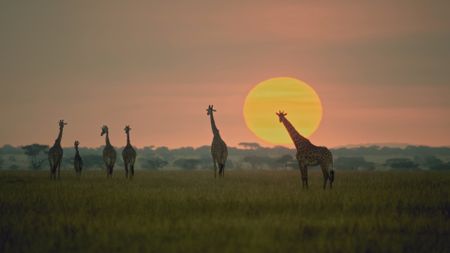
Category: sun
<point>295,97</point>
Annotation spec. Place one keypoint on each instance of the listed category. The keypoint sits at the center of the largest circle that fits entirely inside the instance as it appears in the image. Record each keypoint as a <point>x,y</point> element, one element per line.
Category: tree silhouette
<point>250,145</point>
<point>35,152</point>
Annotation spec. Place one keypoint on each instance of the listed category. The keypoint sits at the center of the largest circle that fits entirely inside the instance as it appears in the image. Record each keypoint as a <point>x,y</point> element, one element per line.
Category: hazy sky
<point>381,68</point>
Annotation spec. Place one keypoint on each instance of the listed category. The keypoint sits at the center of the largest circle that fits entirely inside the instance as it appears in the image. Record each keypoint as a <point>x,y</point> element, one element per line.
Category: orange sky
<point>380,69</point>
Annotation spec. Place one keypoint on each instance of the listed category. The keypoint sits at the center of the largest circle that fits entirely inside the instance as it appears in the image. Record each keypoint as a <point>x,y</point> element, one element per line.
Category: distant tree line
<point>247,156</point>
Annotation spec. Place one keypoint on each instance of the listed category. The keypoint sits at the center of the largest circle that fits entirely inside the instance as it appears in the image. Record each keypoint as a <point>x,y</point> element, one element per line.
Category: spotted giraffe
<point>219,150</point>
<point>128,155</point>
<point>77,161</point>
<point>109,153</point>
<point>309,155</point>
<point>55,153</point>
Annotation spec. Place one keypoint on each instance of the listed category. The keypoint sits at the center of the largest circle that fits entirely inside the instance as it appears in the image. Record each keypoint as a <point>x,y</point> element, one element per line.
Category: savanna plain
<point>247,211</point>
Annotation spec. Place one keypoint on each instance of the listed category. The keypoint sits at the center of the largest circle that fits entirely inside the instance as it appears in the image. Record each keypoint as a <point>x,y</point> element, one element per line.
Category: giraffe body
<point>77,161</point>
<point>109,153</point>
<point>55,153</point>
<point>309,154</point>
<point>128,155</point>
<point>219,151</point>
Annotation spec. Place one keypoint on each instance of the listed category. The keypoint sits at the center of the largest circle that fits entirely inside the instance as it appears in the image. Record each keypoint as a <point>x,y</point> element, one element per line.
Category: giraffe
<point>109,153</point>
<point>219,150</point>
<point>77,161</point>
<point>55,153</point>
<point>128,154</point>
<point>308,154</point>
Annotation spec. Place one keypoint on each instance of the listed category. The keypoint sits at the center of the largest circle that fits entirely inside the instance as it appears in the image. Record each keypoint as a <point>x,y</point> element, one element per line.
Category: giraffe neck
<point>213,126</point>
<point>58,139</point>
<point>107,139</point>
<point>76,151</point>
<point>296,137</point>
<point>128,139</point>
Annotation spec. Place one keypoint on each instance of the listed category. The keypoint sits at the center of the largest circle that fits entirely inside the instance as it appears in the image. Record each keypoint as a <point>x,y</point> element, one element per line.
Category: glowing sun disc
<point>295,97</point>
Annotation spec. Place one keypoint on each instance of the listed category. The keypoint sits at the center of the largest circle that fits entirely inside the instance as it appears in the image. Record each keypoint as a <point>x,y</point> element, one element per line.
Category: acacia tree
<point>250,145</point>
<point>35,152</point>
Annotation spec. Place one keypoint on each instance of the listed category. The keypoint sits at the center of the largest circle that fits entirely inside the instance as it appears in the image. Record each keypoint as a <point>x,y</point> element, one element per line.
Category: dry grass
<point>248,211</point>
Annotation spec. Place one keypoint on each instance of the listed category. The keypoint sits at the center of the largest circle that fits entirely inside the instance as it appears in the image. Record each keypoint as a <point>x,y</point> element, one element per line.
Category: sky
<point>381,69</point>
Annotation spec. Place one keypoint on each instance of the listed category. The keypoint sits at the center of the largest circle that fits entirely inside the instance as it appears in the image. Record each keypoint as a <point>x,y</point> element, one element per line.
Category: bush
<point>153,163</point>
<point>442,166</point>
<point>401,164</point>
<point>353,163</point>
<point>14,167</point>
<point>187,164</point>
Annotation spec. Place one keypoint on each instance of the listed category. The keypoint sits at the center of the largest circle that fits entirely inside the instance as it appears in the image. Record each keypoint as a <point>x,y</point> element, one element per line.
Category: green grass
<point>248,211</point>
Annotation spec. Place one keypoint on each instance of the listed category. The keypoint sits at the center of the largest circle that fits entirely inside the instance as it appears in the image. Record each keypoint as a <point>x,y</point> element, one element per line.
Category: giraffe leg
<point>303,175</point>
<point>59,169</point>
<point>51,168</point>
<point>306,176</point>
<point>221,170</point>
<point>126,169</point>
<point>331,178</point>
<point>325,175</point>
<point>132,170</point>
<point>215,168</point>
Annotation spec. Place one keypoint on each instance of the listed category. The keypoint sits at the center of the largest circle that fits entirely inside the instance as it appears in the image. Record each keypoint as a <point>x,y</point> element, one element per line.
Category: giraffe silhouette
<point>219,150</point>
<point>109,153</point>
<point>308,154</point>
<point>77,161</point>
<point>55,153</point>
<point>128,155</point>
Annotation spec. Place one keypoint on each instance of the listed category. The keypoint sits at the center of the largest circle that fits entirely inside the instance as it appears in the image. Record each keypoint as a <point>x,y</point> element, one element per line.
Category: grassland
<point>248,211</point>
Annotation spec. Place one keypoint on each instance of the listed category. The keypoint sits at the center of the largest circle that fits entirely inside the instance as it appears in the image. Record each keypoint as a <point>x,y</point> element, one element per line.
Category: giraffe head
<point>210,110</point>
<point>76,144</point>
<point>104,130</point>
<point>127,129</point>
<point>62,124</point>
<point>281,115</point>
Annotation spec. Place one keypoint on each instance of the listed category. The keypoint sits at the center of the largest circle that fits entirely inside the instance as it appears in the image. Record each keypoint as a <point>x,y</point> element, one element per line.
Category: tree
<point>187,163</point>
<point>93,161</point>
<point>401,164</point>
<point>36,154</point>
<point>353,163</point>
<point>164,152</point>
<point>153,163</point>
<point>250,145</point>
<point>10,150</point>
<point>440,167</point>
<point>284,161</point>
<point>257,162</point>
<point>428,161</point>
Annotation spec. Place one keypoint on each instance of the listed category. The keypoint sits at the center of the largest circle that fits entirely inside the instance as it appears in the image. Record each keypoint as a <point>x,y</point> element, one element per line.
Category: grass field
<point>248,211</point>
